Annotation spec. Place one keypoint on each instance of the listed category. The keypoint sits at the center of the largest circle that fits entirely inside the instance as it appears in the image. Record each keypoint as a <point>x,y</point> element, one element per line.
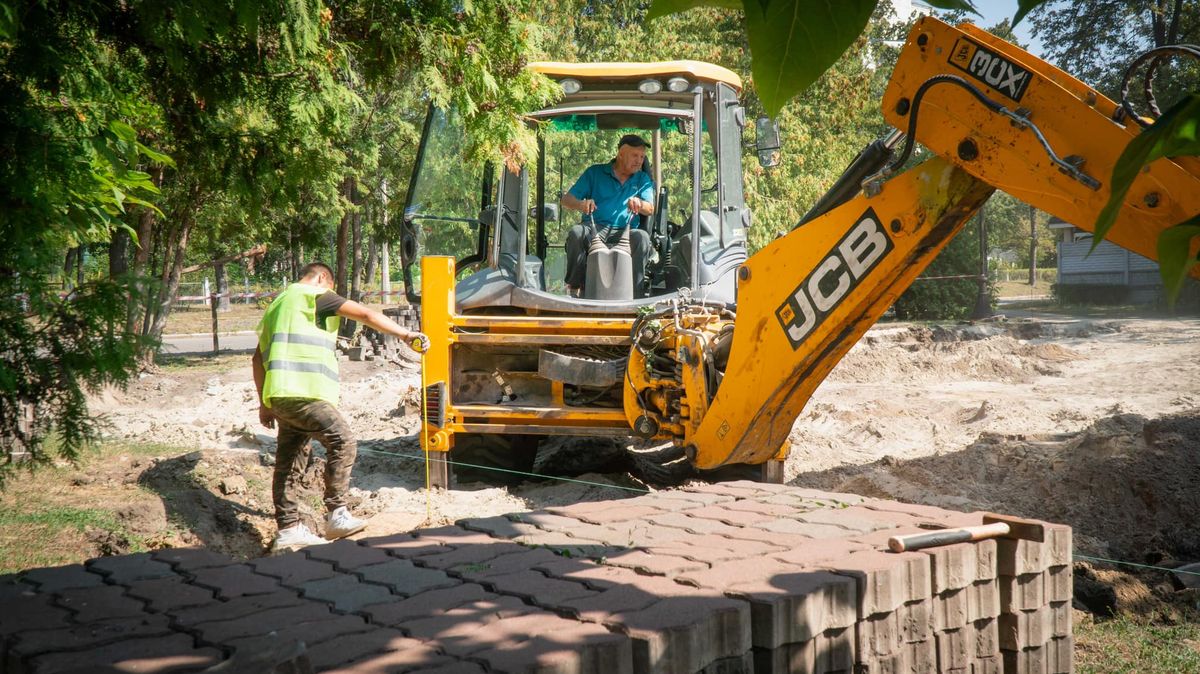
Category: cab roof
<point>696,70</point>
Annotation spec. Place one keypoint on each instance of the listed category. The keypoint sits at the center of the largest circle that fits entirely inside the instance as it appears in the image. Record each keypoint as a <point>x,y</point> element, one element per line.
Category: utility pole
<point>983,300</point>
<point>1032,246</point>
<point>385,252</point>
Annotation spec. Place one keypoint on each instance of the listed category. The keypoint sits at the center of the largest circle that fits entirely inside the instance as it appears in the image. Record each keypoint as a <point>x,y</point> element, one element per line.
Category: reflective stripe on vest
<point>299,355</point>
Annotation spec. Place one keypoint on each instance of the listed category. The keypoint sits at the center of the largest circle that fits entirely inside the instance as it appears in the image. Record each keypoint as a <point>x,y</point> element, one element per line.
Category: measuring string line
<point>400,455</point>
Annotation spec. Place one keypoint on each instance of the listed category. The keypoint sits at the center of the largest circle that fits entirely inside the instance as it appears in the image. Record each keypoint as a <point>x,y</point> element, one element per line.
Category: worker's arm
<point>640,206</point>
<point>265,415</point>
<point>584,206</point>
<point>376,319</point>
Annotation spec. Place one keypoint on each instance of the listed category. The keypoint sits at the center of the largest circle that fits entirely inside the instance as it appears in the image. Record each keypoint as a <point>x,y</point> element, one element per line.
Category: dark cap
<point>632,139</point>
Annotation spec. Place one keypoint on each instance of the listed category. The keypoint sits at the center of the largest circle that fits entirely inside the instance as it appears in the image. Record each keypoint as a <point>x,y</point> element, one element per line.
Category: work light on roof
<point>570,85</point>
<point>649,87</point>
<point>678,84</point>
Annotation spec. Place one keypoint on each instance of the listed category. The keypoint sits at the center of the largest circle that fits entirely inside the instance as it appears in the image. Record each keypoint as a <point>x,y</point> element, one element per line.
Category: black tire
<point>494,459</point>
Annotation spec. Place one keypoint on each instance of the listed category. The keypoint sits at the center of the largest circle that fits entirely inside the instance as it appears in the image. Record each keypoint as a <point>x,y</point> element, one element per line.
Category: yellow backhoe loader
<point>717,351</point>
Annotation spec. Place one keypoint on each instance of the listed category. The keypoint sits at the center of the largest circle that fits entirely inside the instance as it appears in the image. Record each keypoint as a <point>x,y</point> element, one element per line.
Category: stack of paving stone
<point>716,579</point>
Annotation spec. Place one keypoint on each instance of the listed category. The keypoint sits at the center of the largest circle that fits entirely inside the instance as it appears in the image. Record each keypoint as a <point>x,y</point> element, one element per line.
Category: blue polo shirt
<point>599,182</point>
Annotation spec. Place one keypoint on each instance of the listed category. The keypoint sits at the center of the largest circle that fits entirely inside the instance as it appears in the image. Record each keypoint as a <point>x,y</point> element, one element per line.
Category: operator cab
<point>507,229</point>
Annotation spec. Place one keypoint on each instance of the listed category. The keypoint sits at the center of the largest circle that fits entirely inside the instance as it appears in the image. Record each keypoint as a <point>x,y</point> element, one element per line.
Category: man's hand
<point>587,206</point>
<point>636,205</point>
<point>266,417</point>
<point>419,342</point>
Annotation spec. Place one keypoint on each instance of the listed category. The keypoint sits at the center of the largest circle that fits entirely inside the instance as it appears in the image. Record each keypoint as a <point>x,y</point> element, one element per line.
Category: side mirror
<point>549,212</point>
<point>766,133</point>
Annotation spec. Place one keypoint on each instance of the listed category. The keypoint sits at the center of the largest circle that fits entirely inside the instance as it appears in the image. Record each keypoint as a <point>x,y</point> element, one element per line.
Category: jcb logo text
<point>841,270</point>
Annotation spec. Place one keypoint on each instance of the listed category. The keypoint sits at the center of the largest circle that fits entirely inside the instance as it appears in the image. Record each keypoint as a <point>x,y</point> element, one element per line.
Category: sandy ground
<point>1095,423</point>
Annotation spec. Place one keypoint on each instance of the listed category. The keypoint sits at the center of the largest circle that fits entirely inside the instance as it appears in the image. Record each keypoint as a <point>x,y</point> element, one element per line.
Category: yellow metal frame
<point>446,328</point>
<point>697,70</point>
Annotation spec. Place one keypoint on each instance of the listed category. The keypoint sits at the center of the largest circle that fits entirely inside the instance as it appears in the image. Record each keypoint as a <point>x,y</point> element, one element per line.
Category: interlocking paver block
<point>1027,629</point>
<point>499,526</point>
<point>470,554</point>
<point>309,632</point>
<point>690,499</point>
<point>221,632</point>
<point>378,650</point>
<point>190,559</point>
<point>950,611</point>
<point>169,594</point>
<point>397,611</point>
<point>955,566</point>
<point>654,565</point>
<point>807,529</point>
<point>536,588</point>
<point>580,647</point>
<point>1022,593</point>
<point>292,569</point>
<point>993,665</point>
<point>685,634</point>
<point>452,667</point>
<point>1027,661</point>
<point>1018,556</point>
<point>567,545</point>
<point>604,512</point>
<point>478,571</point>
<point>711,548</point>
<point>236,608</point>
<point>955,648</point>
<point>346,555</point>
<point>235,581</point>
<point>63,577</point>
<point>856,518</point>
<point>925,512</point>
<point>402,577</point>
<point>987,638</point>
<point>736,488</point>
<point>100,603</point>
<point>174,653</point>
<point>80,637</point>
<point>1060,617</point>
<point>885,580</point>
<point>394,656</point>
<point>459,623</point>
<point>126,569</point>
<point>31,611</point>
<point>1060,583</point>
<point>725,575</point>
<point>983,600</point>
<point>633,595</point>
<point>830,651</point>
<point>916,620</point>
<point>794,607</point>
<point>346,592</point>
<point>405,546</point>
<point>879,636</point>
<point>454,535</point>
<point>732,517</point>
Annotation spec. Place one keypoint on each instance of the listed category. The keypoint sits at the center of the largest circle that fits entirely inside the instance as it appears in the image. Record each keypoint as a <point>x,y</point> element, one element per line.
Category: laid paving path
<point>716,579</point>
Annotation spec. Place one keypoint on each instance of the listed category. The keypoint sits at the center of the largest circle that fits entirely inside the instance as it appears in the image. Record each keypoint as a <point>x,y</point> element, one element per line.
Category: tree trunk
<point>79,279</point>
<point>222,280</point>
<point>372,261</point>
<point>343,230</point>
<point>385,273</point>
<point>118,254</point>
<point>1032,247</point>
<point>295,253</point>
<point>356,260</point>
<point>173,263</point>
<point>141,259</point>
<point>69,268</point>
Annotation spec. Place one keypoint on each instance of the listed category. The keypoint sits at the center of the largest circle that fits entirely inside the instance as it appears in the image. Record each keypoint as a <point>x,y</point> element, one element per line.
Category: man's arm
<point>640,206</point>
<point>376,319</point>
<point>260,377</point>
<point>584,206</point>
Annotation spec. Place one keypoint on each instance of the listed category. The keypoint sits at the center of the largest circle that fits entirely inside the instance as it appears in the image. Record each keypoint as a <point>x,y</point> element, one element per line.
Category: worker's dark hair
<point>314,267</point>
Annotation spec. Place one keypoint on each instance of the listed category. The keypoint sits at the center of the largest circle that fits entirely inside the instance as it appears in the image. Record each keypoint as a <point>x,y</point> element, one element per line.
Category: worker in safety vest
<point>296,372</point>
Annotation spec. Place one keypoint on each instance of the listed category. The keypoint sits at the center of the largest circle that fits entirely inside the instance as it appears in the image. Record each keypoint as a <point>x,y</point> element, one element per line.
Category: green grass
<point>49,524</point>
<point>200,363</point>
<point>1130,645</point>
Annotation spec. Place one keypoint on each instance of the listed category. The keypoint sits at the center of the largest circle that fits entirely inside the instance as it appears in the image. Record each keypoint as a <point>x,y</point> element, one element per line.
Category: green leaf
<point>1174,134</point>
<point>794,41</point>
<point>156,156</point>
<point>1175,257</point>
<point>123,131</point>
<point>961,5</point>
<point>1024,7</point>
<point>665,7</point>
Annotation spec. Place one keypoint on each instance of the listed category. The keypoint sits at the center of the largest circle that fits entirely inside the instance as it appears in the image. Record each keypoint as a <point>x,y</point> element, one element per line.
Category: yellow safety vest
<point>299,354</point>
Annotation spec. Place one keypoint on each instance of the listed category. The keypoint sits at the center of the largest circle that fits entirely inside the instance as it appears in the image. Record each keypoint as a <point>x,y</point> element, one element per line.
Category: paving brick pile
<point>716,579</point>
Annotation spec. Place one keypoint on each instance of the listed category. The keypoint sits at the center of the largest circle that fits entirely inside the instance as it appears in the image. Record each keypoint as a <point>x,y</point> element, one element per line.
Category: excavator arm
<point>728,389</point>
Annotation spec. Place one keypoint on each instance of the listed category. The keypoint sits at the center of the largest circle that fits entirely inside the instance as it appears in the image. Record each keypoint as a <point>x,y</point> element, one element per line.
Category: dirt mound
<point>920,354</point>
<point>1127,485</point>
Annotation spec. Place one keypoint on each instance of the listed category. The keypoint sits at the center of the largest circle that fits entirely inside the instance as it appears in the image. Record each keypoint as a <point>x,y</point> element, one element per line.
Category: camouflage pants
<point>301,420</point>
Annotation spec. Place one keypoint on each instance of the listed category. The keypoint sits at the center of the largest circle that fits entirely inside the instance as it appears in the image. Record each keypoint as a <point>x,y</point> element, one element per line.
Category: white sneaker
<point>340,523</point>
<point>295,537</point>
